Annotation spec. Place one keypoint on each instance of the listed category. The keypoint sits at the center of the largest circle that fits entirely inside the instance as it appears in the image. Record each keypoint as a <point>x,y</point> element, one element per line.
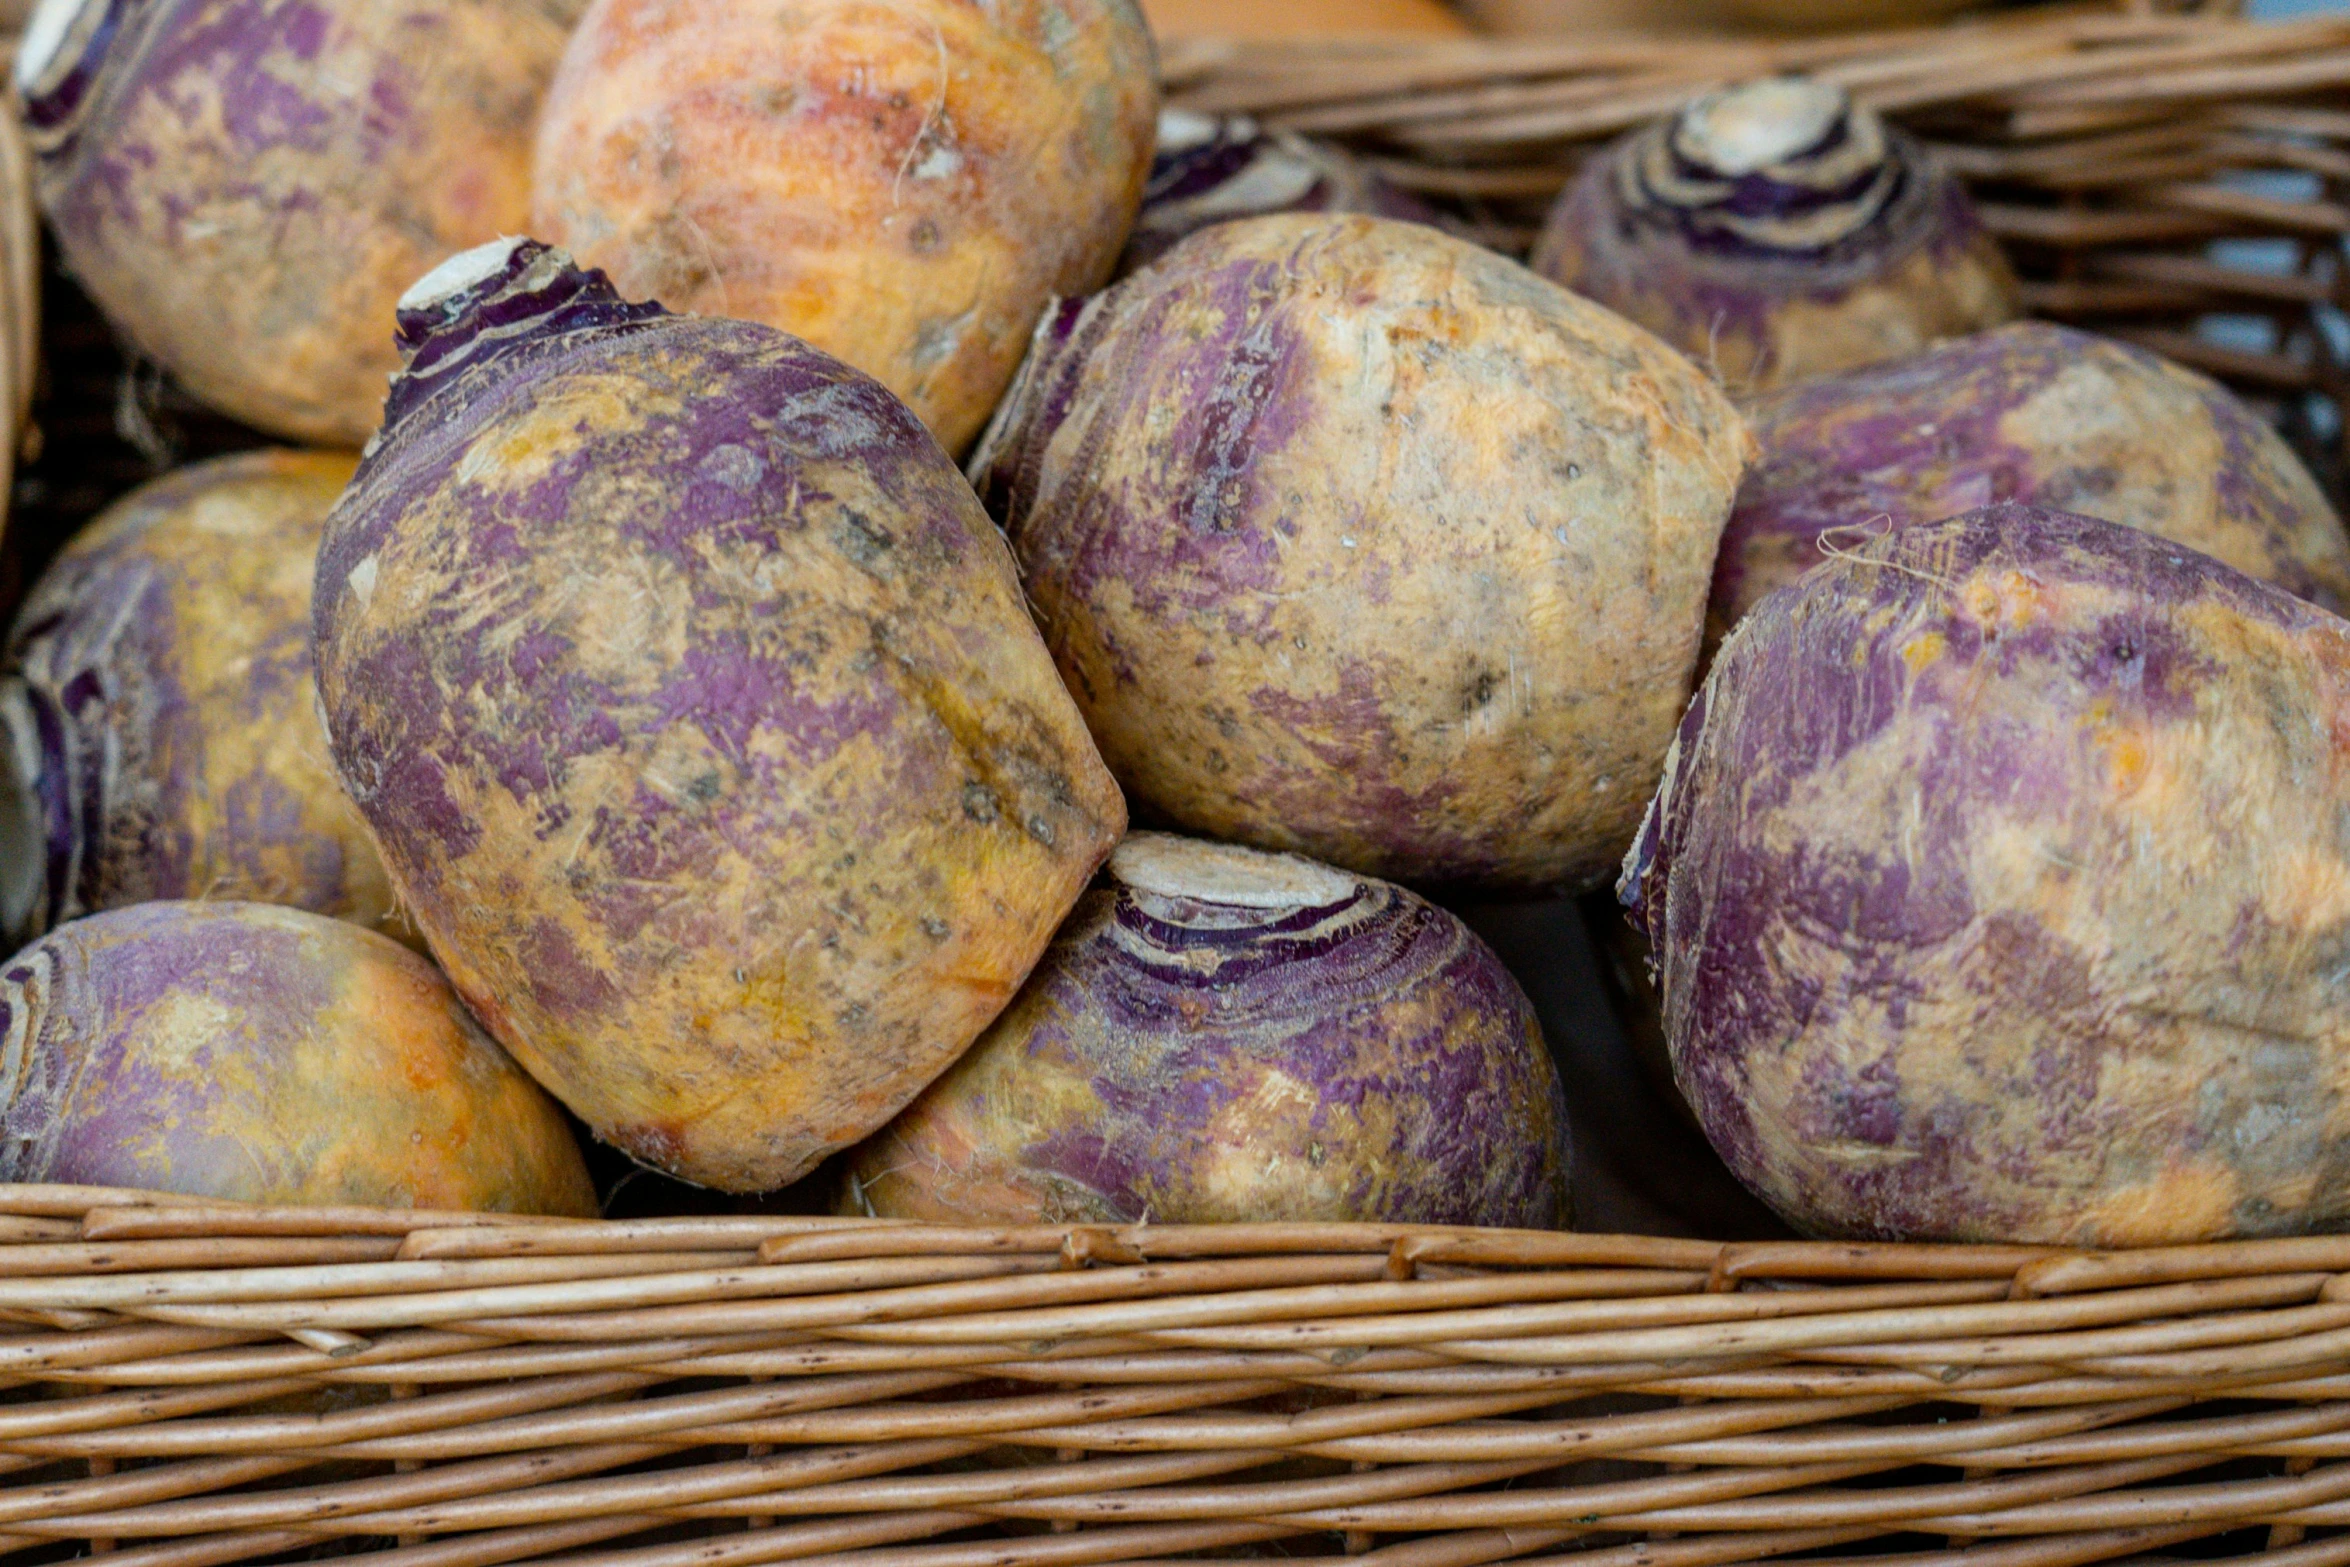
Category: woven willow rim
<point>219,1383</point>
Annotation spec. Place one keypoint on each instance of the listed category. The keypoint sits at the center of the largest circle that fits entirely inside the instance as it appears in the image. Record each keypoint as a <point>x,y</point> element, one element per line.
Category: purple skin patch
<point>1946,879</point>
<point>1373,1049</point>
<point>1942,433</point>
<point>1242,399</point>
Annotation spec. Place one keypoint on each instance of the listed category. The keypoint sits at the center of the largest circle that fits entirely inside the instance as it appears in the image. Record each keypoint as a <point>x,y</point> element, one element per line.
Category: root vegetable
<point>693,703</point>
<point>245,186</point>
<point>2034,413</point>
<point>1776,231</point>
<point>1355,539</point>
<point>265,1054</point>
<point>1220,1034</point>
<point>903,183</point>
<point>162,738</point>
<point>2000,889</point>
<point>1214,168</point>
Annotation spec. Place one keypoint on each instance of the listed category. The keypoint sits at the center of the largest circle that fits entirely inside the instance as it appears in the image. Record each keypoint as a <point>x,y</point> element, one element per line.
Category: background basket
<point>195,1385</point>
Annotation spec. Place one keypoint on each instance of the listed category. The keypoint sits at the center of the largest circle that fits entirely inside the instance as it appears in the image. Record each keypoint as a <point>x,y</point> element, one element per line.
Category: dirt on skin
<point>250,184</point>
<point>162,698</point>
<point>903,183</point>
<point>1355,539</point>
<point>267,1055</point>
<point>2000,885</point>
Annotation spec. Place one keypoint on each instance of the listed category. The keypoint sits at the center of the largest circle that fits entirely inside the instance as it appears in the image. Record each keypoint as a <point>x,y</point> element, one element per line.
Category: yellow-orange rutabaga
<point>903,183</point>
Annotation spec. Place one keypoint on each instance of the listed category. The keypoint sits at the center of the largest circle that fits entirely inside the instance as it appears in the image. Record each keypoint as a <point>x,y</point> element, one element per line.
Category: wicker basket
<point>193,1384</point>
<point>205,1384</point>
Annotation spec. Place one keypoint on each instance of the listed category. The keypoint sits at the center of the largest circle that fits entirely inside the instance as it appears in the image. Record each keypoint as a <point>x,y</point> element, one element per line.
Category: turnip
<point>694,707</point>
<point>2035,413</point>
<point>245,186</point>
<point>903,183</point>
<point>1212,168</point>
<point>1355,539</point>
<point>162,739</point>
<point>2000,891</point>
<point>1775,231</point>
<point>1221,1034</point>
<point>265,1054</point>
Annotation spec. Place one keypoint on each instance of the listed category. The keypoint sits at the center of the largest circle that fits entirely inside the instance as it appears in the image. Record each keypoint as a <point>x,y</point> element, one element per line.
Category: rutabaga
<point>1212,168</point>
<point>1355,539</point>
<point>2035,413</point>
<point>2000,890</point>
<point>692,700</point>
<point>1776,231</point>
<point>245,186</point>
<point>264,1054</point>
<point>161,736</point>
<point>903,185</point>
<point>1220,1034</point>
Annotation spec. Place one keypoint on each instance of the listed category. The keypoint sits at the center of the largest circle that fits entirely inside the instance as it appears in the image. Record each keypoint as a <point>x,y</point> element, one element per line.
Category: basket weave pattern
<point>201,1384</point>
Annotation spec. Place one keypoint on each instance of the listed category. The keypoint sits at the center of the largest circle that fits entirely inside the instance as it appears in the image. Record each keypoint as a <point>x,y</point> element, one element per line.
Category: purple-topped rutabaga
<point>1776,231</point>
<point>1212,168</point>
<point>1356,539</point>
<point>2035,413</point>
<point>1225,1035</point>
<point>245,186</point>
<point>693,703</point>
<point>161,736</point>
<point>264,1054</point>
<point>1999,888</point>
